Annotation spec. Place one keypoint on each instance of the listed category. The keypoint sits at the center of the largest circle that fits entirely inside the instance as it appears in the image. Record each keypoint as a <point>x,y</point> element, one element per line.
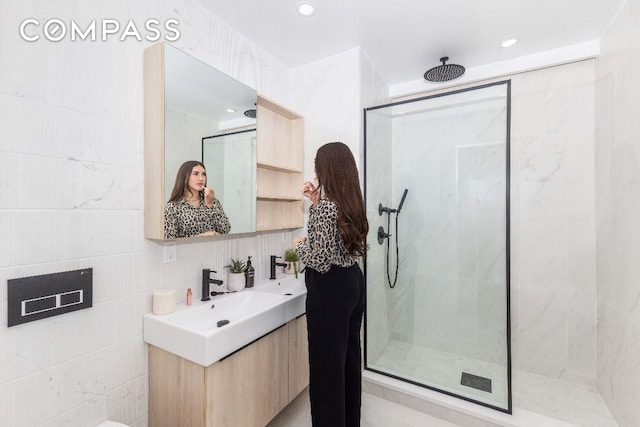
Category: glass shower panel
<point>230,159</point>
<point>437,269</point>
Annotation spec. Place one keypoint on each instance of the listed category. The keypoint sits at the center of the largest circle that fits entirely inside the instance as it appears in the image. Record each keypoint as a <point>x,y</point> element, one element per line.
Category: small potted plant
<point>292,260</point>
<point>236,275</point>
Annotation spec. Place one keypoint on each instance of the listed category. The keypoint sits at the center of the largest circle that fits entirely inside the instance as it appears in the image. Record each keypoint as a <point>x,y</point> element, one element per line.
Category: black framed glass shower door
<point>437,269</point>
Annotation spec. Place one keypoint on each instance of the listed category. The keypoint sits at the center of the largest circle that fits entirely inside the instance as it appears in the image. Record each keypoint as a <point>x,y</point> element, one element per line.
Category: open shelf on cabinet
<point>280,166</point>
<point>275,198</point>
<point>279,214</point>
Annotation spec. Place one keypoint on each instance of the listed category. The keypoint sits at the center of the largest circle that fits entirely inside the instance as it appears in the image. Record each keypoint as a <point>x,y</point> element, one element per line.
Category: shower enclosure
<point>437,270</point>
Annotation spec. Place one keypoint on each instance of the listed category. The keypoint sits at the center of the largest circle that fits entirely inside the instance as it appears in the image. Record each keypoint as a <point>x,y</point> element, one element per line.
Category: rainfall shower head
<point>250,113</point>
<point>444,72</point>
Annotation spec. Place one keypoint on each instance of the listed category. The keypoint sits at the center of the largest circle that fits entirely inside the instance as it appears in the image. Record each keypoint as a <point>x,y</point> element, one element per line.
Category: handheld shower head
<point>404,195</point>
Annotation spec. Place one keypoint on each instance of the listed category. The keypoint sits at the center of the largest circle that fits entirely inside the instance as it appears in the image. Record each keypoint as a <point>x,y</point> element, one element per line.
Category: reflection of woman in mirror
<point>192,209</point>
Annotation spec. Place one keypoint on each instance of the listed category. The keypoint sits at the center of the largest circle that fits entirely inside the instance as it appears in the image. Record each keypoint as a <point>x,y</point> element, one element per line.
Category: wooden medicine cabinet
<point>278,153</point>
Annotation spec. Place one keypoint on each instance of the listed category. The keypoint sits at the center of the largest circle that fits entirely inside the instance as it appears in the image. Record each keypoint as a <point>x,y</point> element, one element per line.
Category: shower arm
<point>383,209</point>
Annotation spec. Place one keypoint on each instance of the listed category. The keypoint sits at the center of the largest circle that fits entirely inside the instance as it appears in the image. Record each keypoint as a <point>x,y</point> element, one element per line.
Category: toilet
<point>111,424</point>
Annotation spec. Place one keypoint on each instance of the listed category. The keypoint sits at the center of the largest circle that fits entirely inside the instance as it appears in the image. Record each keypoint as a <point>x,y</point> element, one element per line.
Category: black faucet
<point>206,282</point>
<point>273,264</point>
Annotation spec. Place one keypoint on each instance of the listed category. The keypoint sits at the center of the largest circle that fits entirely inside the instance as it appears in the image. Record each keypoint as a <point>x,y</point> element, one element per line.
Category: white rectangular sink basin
<point>224,309</point>
<point>288,286</point>
<point>208,331</point>
<point>294,290</point>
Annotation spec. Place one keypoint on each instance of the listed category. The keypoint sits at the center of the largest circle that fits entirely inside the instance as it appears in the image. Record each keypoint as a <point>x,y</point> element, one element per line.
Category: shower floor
<point>569,403</point>
<point>443,371</point>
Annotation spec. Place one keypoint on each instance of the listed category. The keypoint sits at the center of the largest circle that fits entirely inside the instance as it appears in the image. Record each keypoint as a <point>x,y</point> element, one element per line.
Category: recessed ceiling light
<point>509,42</point>
<point>231,110</point>
<point>305,9</point>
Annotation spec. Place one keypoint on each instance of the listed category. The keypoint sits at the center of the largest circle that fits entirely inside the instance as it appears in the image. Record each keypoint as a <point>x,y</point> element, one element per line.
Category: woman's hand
<point>297,240</point>
<point>209,233</point>
<point>310,191</point>
<point>209,196</point>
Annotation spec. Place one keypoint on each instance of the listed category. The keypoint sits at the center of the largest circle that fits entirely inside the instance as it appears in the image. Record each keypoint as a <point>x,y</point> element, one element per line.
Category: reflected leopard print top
<point>181,219</point>
<point>325,245</point>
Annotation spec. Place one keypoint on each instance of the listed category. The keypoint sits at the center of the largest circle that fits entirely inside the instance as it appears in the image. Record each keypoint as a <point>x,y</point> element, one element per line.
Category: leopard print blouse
<point>325,245</point>
<point>181,219</point>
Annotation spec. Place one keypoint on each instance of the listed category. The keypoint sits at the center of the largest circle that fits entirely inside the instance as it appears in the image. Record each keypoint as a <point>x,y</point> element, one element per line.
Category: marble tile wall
<point>617,210</point>
<point>553,222</point>
<point>327,94</point>
<point>72,191</point>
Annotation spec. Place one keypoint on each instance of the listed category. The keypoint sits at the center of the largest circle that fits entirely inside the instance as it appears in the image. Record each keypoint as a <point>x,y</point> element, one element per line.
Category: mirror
<point>209,117</point>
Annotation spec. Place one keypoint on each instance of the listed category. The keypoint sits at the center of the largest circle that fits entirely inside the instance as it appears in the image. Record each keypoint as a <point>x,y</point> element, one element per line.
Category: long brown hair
<point>338,180</point>
<point>182,179</point>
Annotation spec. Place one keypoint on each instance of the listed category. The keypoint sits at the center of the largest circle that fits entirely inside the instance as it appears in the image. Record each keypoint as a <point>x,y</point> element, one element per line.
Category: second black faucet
<point>273,264</point>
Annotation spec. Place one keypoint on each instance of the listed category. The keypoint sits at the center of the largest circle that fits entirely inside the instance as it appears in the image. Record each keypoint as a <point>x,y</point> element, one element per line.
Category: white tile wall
<point>327,93</point>
<point>72,191</point>
<point>618,209</point>
<point>553,222</point>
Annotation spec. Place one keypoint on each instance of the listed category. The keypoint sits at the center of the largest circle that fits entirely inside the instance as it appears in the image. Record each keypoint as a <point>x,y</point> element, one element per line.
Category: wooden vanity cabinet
<point>247,388</point>
<point>298,356</point>
<point>250,387</point>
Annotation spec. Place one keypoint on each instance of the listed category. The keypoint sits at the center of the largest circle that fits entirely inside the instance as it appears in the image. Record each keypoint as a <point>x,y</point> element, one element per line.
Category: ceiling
<point>404,38</point>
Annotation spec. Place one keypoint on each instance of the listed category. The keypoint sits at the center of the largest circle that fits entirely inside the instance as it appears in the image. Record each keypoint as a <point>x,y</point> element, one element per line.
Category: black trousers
<point>335,305</point>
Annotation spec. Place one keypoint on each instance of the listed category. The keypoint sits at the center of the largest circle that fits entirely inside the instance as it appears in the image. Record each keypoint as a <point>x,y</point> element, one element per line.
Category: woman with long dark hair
<point>192,209</point>
<point>337,230</point>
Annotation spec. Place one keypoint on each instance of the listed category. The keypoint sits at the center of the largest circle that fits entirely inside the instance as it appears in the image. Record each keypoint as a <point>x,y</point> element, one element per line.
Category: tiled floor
<point>573,403</point>
<point>376,412</point>
<point>538,401</point>
<point>555,399</point>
